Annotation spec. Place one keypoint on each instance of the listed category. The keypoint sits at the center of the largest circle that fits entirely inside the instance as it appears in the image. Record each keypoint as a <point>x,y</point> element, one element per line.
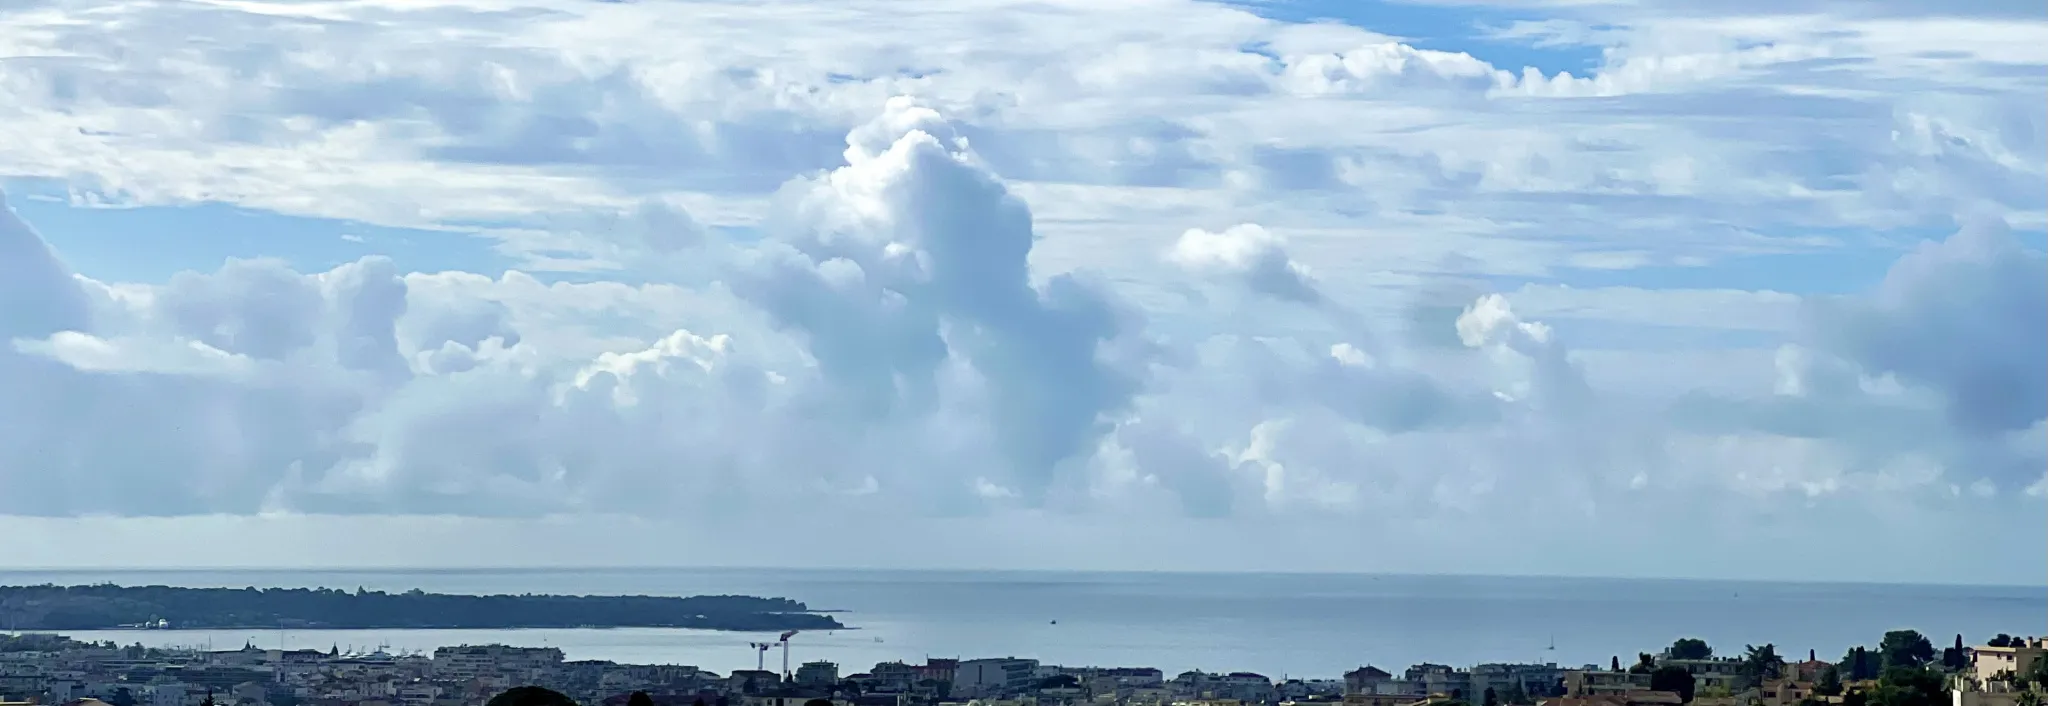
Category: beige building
<point>1783,692</point>
<point>1989,662</point>
<point>1961,697</point>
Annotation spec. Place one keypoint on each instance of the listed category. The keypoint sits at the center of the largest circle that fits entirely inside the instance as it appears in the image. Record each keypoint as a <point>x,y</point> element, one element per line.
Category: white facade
<point>983,677</point>
<point>473,661</point>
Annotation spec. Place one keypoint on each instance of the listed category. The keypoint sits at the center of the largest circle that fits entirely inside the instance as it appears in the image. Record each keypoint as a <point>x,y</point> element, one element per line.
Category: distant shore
<point>110,607</point>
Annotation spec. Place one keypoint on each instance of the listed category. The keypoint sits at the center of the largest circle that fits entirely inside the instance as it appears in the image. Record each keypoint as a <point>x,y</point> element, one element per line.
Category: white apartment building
<point>474,661</point>
<point>986,677</point>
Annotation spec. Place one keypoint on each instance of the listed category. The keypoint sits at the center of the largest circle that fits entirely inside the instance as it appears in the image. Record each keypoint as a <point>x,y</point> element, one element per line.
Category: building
<point>1366,680</point>
<point>475,661</point>
<point>1436,679</point>
<point>1377,700</point>
<point>1783,692</point>
<point>752,681</point>
<point>1602,682</point>
<point>1642,697</point>
<point>1807,671</point>
<point>893,676</point>
<point>1715,673</point>
<point>1988,662</point>
<point>938,669</point>
<point>1962,697</point>
<point>818,673</point>
<point>1533,680</point>
<point>988,677</point>
<point>1249,687</point>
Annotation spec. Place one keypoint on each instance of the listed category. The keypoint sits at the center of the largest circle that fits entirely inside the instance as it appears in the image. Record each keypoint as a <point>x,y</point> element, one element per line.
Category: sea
<point>1279,625</point>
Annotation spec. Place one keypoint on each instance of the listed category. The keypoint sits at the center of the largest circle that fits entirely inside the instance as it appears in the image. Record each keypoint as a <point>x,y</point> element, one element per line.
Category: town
<point>1904,669</point>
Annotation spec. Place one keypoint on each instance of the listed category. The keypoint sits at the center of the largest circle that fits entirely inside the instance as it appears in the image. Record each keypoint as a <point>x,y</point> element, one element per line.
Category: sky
<point>1645,288</point>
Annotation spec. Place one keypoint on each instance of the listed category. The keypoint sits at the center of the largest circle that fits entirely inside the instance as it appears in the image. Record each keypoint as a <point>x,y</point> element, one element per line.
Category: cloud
<point>913,256</point>
<point>867,285</point>
<point>1255,256</point>
<point>1965,318</point>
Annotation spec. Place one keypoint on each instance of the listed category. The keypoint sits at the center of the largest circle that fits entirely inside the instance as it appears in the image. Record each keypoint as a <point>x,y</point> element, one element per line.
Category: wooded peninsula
<point>110,607</point>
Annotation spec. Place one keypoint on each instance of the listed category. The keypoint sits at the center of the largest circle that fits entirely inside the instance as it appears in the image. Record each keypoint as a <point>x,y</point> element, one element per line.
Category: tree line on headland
<point>107,606</point>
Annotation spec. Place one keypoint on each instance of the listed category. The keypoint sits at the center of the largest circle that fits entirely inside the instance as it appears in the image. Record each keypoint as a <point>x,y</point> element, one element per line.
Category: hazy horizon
<point>990,571</point>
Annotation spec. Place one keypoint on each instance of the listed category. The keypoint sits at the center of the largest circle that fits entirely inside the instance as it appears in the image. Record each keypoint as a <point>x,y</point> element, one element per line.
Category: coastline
<point>107,606</point>
<point>1288,624</point>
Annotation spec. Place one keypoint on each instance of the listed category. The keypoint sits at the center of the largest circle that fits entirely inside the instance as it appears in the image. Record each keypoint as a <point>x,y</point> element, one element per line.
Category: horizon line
<point>994,570</point>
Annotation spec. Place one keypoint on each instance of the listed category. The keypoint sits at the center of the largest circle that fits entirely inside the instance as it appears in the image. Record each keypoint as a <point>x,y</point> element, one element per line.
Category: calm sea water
<point>1298,625</point>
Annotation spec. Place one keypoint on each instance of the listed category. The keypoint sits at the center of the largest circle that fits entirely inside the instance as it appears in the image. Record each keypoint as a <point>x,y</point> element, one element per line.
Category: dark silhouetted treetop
<point>109,606</point>
<point>1859,664</point>
<point>1645,663</point>
<point>1675,679</point>
<point>1761,663</point>
<point>44,642</point>
<point>639,698</point>
<point>1910,686</point>
<point>1829,683</point>
<point>1691,648</point>
<point>1905,648</point>
<point>530,696</point>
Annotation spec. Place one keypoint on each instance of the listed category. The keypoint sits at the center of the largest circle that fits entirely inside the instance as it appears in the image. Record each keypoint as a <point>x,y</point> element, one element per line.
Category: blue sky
<point>1591,277</point>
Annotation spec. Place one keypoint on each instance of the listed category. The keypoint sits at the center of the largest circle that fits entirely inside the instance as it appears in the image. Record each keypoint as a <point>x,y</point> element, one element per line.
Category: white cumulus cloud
<point>857,271</point>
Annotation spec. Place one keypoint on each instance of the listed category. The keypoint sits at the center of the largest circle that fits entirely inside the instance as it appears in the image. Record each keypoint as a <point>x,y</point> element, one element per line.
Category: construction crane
<point>761,654</point>
<point>785,652</point>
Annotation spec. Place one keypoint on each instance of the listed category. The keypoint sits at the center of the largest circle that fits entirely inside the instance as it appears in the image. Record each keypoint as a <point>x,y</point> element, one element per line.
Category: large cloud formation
<point>849,312</point>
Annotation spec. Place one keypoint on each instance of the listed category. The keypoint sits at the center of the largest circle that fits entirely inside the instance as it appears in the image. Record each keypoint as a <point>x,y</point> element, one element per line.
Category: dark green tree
<point>1760,663</point>
<point>1905,648</point>
<point>640,698</point>
<point>1057,681</point>
<point>1855,697</point>
<point>1691,648</point>
<point>1859,664</point>
<point>529,696</point>
<point>1515,695</point>
<point>818,702</point>
<point>1829,683</point>
<point>2001,640</point>
<point>121,697</point>
<point>1955,658</point>
<point>1614,665</point>
<point>1645,663</point>
<point>1910,686</point>
<point>1675,679</point>
<point>1490,698</point>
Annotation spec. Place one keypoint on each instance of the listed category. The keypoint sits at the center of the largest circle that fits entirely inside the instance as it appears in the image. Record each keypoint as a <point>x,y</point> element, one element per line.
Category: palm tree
<point>1761,663</point>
